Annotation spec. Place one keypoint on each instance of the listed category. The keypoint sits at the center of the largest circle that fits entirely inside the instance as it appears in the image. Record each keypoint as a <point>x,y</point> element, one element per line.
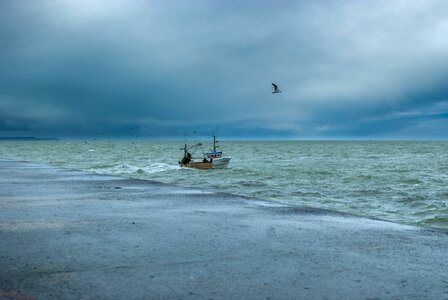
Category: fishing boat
<point>213,159</point>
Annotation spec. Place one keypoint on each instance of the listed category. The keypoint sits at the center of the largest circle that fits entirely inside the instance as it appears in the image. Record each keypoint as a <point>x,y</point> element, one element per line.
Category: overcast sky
<point>347,69</point>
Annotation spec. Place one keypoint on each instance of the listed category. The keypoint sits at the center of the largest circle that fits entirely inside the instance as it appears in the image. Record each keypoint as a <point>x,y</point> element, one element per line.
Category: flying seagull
<point>276,90</point>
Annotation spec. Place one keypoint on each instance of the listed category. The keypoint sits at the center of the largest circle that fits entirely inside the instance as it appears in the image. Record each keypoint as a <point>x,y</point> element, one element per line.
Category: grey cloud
<point>163,67</point>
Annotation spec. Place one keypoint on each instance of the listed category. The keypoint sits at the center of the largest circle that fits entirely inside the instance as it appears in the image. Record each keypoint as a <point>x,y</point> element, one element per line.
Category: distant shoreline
<point>26,138</point>
<point>145,139</point>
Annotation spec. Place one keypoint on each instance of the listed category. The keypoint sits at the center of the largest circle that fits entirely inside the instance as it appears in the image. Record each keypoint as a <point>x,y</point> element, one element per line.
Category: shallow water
<point>405,182</point>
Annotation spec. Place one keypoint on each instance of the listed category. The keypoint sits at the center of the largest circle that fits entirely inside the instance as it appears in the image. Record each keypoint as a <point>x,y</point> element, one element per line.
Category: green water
<point>405,182</point>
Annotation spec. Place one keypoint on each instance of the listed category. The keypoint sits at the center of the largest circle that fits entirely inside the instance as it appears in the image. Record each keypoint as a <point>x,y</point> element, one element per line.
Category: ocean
<point>398,181</point>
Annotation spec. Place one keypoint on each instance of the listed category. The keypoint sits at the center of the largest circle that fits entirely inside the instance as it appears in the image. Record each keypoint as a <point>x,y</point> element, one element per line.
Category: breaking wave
<point>130,170</point>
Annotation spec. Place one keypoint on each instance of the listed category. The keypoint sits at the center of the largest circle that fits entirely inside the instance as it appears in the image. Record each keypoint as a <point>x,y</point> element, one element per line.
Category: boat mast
<point>185,150</point>
<point>214,143</point>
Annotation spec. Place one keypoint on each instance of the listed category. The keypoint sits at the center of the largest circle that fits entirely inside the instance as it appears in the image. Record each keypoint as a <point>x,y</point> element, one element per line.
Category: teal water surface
<point>405,182</point>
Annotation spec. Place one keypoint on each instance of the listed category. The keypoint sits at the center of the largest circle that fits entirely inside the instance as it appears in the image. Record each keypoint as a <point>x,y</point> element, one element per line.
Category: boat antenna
<point>214,138</point>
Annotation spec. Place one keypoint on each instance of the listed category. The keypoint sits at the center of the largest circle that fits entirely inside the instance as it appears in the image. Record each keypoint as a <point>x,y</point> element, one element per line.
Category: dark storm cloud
<point>162,68</point>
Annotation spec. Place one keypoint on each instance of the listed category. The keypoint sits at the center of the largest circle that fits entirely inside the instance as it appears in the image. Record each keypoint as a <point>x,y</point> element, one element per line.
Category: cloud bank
<point>347,69</point>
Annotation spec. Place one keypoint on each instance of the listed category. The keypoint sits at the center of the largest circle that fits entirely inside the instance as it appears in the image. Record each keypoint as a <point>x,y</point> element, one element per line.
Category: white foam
<point>127,169</point>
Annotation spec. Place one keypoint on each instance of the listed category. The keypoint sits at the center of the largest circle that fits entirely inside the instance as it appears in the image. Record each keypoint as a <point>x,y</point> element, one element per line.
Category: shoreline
<point>247,197</point>
<point>69,234</point>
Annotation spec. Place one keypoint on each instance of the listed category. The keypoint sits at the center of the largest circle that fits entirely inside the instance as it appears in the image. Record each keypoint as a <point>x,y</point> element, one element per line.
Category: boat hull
<point>199,165</point>
<point>219,163</point>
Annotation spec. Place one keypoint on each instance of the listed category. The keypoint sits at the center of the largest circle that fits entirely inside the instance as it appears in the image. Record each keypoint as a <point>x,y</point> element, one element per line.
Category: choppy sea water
<point>405,182</point>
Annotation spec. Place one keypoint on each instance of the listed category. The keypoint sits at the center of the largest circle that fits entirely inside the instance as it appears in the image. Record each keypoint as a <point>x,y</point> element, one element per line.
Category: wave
<point>437,221</point>
<point>127,169</point>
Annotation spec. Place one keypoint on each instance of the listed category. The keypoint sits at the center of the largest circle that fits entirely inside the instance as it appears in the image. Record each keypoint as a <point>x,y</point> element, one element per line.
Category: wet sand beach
<point>67,234</point>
